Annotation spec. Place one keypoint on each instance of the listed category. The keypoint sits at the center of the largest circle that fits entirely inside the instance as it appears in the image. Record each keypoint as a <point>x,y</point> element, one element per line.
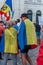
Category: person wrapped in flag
<point>11,46</point>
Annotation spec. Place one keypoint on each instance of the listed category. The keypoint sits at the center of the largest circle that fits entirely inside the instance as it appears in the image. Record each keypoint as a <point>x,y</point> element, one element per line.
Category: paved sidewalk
<point>33,54</point>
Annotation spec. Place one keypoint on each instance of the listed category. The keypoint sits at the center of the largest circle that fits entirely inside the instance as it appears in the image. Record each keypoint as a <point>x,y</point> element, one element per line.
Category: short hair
<point>18,20</point>
<point>1,22</point>
<point>24,15</point>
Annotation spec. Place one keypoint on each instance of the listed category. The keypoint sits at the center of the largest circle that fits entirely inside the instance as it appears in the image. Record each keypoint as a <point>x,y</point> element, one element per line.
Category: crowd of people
<point>18,36</point>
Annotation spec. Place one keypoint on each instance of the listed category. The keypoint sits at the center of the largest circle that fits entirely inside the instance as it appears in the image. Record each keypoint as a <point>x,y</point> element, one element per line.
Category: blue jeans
<point>14,58</point>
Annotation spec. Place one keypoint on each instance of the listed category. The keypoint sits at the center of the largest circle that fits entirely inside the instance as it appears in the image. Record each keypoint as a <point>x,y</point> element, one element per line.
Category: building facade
<point>33,8</point>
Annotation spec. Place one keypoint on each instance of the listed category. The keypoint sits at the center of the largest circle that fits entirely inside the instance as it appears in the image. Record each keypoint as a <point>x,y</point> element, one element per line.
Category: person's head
<point>1,23</point>
<point>24,16</point>
<point>14,22</point>
<point>8,24</point>
<point>18,20</point>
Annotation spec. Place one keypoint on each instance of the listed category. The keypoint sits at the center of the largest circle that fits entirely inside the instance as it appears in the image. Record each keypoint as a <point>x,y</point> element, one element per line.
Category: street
<point>33,54</point>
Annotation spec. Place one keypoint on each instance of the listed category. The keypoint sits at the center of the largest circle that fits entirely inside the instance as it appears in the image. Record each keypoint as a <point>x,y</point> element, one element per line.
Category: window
<point>29,13</point>
<point>38,13</point>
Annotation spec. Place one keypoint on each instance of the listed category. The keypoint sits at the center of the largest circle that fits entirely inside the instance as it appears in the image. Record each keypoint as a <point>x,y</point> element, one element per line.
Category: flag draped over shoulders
<point>30,33</point>
<point>11,45</point>
<point>22,36</point>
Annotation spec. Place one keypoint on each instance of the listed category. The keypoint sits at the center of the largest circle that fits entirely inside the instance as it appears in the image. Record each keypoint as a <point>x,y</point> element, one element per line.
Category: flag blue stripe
<point>9,3</point>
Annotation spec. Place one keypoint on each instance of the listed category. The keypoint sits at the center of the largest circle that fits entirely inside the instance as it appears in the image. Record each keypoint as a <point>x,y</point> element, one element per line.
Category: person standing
<point>22,39</point>
<point>1,38</point>
<point>38,29</point>
<point>26,36</point>
<point>11,46</point>
<point>18,23</point>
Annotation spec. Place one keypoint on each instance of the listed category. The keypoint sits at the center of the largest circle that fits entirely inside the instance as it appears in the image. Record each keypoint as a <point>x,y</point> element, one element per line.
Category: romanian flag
<point>7,9</point>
